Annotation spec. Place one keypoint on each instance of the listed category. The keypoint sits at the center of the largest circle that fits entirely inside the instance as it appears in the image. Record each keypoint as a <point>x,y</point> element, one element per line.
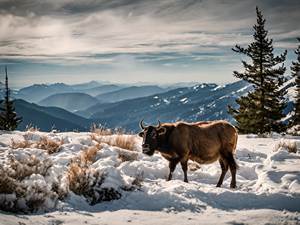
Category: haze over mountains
<point>69,101</point>
<point>47,118</point>
<point>130,93</point>
<point>76,107</point>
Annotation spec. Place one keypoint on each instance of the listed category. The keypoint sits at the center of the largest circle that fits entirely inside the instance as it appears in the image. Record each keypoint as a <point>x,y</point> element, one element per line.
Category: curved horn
<point>159,124</point>
<point>142,126</point>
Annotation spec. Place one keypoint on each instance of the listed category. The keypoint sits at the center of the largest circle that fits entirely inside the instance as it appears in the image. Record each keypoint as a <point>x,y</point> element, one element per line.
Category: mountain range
<point>126,106</point>
<point>200,102</point>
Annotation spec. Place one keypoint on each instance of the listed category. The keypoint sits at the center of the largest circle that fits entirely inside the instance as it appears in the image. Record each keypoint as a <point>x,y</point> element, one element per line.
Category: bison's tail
<point>232,162</point>
<point>235,142</point>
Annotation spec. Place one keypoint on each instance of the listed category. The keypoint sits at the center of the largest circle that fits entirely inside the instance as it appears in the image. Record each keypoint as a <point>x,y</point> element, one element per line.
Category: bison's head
<point>150,135</point>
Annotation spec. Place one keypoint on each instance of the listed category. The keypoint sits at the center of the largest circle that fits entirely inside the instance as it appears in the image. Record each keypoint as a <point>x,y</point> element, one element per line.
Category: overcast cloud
<point>131,40</point>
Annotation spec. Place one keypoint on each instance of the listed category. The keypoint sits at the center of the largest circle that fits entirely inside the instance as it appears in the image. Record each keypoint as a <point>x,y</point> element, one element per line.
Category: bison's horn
<point>142,124</point>
<point>159,124</point>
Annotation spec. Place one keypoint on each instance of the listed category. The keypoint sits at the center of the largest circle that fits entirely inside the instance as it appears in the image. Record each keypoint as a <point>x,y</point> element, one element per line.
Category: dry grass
<point>79,173</point>
<point>20,144</point>
<point>121,141</point>
<point>294,130</point>
<point>124,141</point>
<point>83,180</point>
<point>44,143</point>
<point>88,156</point>
<point>100,130</point>
<point>79,178</point>
<point>49,145</point>
<point>103,131</point>
<point>13,174</point>
<point>193,166</point>
<point>127,155</point>
<point>291,146</point>
<point>31,128</point>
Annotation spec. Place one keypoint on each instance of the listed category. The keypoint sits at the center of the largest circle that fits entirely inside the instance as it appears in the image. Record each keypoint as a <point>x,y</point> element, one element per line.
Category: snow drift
<point>85,173</point>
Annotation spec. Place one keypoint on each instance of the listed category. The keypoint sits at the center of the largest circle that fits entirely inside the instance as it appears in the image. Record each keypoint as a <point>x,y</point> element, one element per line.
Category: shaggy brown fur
<point>203,142</point>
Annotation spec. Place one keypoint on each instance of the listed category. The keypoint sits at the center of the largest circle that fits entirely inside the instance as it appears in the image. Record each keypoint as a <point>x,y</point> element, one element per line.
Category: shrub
<point>20,144</point>
<point>125,142</point>
<point>290,146</point>
<point>49,145</point>
<point>100,130</point>
<point>86,181</point>
<point>294,130</point>
<point>121,141</point>
<point>22,184</point>
<point>31,128</point>
<point>125,155</point>
<point>44,143</point>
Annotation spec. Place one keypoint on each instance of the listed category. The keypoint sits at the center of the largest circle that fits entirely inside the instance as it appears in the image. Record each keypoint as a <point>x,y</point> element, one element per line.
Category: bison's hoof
<point>232,185</point>
<point>218,185</point>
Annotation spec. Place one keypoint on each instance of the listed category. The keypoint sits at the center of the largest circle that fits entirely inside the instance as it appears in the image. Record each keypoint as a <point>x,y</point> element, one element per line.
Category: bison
<point>203,142</point>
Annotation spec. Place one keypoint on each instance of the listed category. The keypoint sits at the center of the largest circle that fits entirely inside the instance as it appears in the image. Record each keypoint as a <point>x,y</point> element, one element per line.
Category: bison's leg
<point>228,158</point>
<point>224,167</point>
<point>233,167</point>
<point>184,166</point>
<point>172,166</point>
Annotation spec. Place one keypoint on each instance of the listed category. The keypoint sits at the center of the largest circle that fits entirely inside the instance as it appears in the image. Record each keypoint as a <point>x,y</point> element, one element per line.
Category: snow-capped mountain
<point>200,102</point>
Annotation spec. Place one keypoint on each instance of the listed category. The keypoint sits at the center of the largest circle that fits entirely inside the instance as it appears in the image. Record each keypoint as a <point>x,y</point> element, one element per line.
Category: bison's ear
<point>141,134</point>
<point>161,130</point>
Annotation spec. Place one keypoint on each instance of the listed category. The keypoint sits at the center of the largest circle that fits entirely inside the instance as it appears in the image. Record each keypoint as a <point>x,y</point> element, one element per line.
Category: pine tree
<point>295,68</point>
<point>8,117</point>
<point>262,109</point>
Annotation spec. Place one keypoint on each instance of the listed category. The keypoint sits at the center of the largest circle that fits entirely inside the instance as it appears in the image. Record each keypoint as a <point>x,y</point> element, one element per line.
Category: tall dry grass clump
<point>86,181</point>
<point>44,143</point>
<point>49,145</point>
<point>31,128</point>
<point>104,131</point>
<point>20,144</point>
<point>22,184</point>
<point>122,141</point>
<point>100,130</point>
<point>290,146</point>
<point>79,178</point>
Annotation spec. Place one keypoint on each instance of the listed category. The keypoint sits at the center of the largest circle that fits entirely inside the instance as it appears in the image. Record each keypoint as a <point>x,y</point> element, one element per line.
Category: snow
<point>166,101</point>
<point>268,183</point>
<point>184,100</point>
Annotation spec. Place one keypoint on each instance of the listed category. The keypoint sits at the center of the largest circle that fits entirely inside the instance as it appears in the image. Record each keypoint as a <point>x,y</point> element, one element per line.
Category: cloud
<point>72,29</point>
<point>166,32</point>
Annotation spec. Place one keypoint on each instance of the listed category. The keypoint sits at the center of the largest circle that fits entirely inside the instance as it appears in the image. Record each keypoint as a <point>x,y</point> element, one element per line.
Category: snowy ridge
<point>268,182</point>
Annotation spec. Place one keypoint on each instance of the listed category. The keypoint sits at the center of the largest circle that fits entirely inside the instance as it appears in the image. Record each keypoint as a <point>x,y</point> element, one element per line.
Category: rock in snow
<point>268,182</point>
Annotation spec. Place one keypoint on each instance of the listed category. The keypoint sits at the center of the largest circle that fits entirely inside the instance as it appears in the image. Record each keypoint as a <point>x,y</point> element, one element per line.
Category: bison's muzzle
<point>147,150</point>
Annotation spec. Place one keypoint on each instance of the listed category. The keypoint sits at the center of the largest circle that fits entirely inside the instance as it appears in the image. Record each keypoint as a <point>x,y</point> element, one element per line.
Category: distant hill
<point>37,92</point>
<point>85,86</point>
<point>70,101</point>
<point>102,89</point>
<point>47,117</point>
<point>200,102</point>
<point>130,93</point>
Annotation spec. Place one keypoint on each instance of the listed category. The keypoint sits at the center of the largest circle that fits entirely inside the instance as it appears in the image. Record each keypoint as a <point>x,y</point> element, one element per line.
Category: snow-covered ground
<point>268,183</point>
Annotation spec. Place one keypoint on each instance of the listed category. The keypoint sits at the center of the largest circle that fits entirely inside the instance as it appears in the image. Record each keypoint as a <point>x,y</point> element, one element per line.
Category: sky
<point>131,41</point>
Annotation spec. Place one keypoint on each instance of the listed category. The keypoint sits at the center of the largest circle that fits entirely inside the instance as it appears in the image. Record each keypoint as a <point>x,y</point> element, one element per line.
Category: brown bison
<point>203,142</point>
